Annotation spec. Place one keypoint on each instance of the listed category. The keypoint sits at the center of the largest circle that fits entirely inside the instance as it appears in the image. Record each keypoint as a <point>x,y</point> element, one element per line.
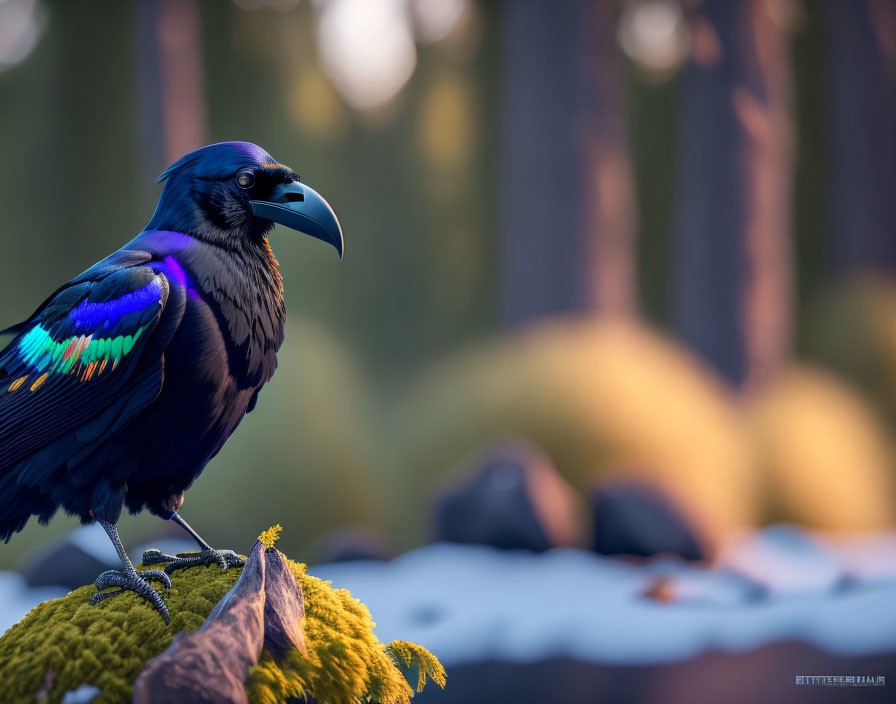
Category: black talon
<point>138,582</point>
<point>102,596</point>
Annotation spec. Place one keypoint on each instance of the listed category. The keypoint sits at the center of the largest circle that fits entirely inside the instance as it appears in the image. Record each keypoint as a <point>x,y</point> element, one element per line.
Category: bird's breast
<point>235,337</point>
<point>235,317</point>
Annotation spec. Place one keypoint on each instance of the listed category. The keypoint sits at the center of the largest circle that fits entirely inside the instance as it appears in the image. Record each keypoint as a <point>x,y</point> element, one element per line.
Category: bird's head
<point>233,192</point>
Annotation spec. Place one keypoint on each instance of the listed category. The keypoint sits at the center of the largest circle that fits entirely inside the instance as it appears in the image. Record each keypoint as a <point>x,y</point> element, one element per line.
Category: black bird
<point>129,378</point>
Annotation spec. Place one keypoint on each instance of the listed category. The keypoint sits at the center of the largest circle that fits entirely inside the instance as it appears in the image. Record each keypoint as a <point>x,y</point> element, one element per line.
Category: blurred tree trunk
<point>66,110</point>
<point>862,50</point>
<point>567,187</point>
<point>733,269</point>
<point>171,114</point>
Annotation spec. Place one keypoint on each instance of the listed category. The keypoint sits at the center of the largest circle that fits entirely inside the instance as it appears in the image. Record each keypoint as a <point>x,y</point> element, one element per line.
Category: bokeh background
<point>642,251</point>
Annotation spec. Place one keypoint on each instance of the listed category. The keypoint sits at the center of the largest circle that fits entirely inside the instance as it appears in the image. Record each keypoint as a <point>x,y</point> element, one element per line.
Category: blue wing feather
<point>83,366</point>
<point>121,259</point>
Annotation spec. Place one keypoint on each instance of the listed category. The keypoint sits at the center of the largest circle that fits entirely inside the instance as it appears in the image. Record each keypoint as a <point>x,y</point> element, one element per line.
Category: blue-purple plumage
<point>130,378</point>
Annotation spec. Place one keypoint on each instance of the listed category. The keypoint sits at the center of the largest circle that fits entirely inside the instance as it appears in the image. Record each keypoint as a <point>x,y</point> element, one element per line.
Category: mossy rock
<point>67,643</point>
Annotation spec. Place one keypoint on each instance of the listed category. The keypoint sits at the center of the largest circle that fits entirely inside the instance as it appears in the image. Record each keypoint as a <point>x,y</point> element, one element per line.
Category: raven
<point>129,378</point>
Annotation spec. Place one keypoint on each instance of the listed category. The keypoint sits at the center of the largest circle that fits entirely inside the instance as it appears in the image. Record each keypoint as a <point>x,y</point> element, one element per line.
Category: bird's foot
<point>222,558</point>
<point>133,581</point>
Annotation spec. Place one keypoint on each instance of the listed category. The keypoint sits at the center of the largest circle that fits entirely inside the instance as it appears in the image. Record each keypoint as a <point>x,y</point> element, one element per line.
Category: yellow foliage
<point>270,536</point>
<point>108,645</point>
<point>416,656</point>
<point>345,661</point>
<point>825,457</point>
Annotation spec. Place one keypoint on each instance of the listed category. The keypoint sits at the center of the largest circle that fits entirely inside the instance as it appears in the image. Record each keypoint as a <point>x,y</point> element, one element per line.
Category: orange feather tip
<point>14,386</point>
<point>88,372</point>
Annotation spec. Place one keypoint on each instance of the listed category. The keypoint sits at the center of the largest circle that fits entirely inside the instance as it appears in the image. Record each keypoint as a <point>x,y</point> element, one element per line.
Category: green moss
<point>108,645</point>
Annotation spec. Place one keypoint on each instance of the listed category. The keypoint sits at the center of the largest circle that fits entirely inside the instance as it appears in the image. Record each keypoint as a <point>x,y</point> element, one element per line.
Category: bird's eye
<point>245,179</point>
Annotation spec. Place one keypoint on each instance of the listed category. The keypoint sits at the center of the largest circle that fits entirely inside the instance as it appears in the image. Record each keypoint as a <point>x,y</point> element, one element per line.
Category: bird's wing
<point>83,365</point>
<point>117,260</point>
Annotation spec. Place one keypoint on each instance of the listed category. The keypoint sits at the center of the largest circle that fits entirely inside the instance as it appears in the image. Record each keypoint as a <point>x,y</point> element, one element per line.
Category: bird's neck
<point>232,229</point>
<point>243,288</point>
<point>272,265</point>
<point>252,263</point>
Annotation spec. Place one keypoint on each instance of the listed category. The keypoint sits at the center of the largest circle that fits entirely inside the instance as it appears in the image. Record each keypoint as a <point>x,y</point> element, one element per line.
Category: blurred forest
<point>655,237</point>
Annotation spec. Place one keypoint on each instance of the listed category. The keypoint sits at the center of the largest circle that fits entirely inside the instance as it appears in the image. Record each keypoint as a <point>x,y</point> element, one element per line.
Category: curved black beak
<point>301,208</point>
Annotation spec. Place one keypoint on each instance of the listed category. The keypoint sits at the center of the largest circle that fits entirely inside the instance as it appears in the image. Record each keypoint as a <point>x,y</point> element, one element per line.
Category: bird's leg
<point>129,579</point>
<point>205,557</point>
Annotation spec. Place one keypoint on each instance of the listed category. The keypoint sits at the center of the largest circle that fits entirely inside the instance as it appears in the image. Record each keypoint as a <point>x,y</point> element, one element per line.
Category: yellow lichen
<point>270,536</point>
<point>108,645</point>
<point>345,661</point>
<point>414,656</point>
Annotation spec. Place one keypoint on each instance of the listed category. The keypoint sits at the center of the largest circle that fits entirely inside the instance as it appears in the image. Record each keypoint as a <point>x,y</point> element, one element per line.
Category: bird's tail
<point>18,503</point>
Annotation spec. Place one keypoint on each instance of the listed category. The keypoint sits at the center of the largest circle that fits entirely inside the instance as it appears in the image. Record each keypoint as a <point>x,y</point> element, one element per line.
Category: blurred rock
<point>512,499</point>
<point>348,545</point>
<point>72,561</point>
<point>640,520</point>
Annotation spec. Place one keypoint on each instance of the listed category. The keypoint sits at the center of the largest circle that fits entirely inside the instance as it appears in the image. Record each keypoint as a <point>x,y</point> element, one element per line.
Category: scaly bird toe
<point>157,557</point>
<point>204,558</point>
<point>133,581</point>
